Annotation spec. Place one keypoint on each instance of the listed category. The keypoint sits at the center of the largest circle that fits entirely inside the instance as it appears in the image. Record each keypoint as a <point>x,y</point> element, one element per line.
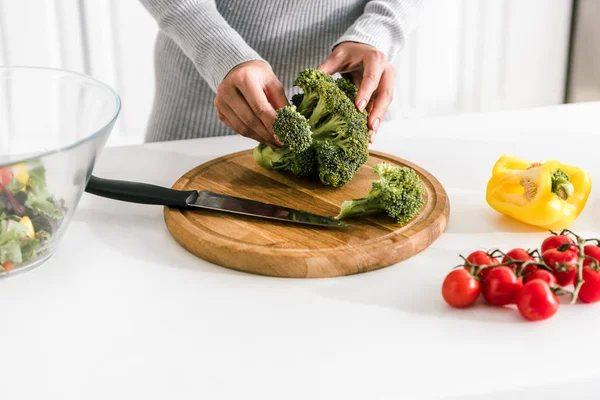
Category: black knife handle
<point>141,193</point>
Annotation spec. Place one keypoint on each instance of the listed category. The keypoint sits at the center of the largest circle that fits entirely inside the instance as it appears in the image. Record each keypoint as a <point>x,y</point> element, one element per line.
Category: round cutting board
<point>268,247</point>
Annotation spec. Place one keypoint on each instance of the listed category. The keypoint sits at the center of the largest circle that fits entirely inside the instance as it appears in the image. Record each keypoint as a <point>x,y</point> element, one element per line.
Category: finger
<point>229,118</point>
<point>369,110</point>
<point>371,104</point>
<point>276,95</point>
<point>373,68</point>
<point>260,106</point>
<point>373,134</point>
<point>385,94</point>
<point>244,112</point>
<point>226,121</point>
<point>333,63</point>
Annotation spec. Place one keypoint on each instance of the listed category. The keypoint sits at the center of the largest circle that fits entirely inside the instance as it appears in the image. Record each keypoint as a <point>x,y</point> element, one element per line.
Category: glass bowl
<point>53,125</point>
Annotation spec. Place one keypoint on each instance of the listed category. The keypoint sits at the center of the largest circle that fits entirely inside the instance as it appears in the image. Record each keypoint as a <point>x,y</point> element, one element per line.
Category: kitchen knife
<point>144,193</point>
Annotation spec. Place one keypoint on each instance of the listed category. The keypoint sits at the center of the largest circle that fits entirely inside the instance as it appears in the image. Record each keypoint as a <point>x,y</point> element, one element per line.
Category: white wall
<point>467,55</point>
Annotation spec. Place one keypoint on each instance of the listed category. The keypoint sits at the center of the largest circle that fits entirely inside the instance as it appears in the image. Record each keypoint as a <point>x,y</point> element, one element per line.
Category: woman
<point>226,66</point>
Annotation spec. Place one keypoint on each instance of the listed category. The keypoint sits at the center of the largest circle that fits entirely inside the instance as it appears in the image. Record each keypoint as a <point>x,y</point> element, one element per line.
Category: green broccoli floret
<point>347,87</point>
<point>305,163</point>
<point>398,192</point>
<point>335,169</point>
<point>324,120</point>
<point>291,128</point>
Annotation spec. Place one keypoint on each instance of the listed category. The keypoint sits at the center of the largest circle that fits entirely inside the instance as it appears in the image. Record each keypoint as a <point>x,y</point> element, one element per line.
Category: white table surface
<point>122,311</point>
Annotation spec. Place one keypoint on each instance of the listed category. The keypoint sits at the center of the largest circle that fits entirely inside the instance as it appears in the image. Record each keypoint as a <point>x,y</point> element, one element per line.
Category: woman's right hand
<point>247,99</point>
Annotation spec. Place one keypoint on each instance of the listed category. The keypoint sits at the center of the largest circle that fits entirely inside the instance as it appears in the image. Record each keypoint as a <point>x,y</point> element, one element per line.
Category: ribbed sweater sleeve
<point>203,35</point>
<point>385,24</point>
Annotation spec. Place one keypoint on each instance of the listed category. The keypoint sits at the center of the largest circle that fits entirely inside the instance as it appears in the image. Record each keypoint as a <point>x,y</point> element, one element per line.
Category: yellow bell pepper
<point>25,221</point>
<point>548,195</point>
<point>21,173</point>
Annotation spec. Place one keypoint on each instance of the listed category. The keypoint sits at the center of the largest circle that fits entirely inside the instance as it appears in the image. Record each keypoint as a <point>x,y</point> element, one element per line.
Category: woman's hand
<point>247,99</point>
<point>370,71</point>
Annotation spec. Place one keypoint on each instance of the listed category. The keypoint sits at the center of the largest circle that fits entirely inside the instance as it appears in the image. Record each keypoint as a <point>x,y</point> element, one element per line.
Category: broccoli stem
<point>327,128</point>
<point>363,206</point>
<point>267,158</point>
<point>318,113</point>
<point>308,104</point>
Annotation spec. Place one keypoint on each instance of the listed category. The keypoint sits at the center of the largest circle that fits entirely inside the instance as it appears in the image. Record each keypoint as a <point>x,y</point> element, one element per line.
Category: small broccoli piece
<point>291,128</point>
<point>398,192</point>
<point>347,87</point>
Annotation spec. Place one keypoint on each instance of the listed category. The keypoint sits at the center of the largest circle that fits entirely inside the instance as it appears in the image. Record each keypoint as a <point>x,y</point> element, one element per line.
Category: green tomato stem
<point>579,281</point>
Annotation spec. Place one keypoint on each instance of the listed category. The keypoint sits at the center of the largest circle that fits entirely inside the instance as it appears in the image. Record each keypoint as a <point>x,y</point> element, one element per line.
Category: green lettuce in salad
<point>29,215</point>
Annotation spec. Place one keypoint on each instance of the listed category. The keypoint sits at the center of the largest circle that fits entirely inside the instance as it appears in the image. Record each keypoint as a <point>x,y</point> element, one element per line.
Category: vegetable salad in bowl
<point>53,127</point>
<point>29,216</point>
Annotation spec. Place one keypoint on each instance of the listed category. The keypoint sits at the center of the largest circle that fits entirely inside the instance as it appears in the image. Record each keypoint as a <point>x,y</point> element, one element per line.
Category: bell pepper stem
<point>564,189</point>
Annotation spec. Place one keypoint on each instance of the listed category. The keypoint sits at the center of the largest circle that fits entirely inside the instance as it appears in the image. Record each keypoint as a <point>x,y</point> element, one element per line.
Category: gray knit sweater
<point>200,41</point>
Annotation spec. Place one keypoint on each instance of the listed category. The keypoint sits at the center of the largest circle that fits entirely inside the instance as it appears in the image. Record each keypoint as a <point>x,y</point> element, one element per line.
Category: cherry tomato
<point>521,255</point>
<point>543,275</point>
<point>555,241</point>
<point>501,286</point>
<point>460,288</point>
<point>536,301</point>
<point>552,257</point>
<point>8,266</point>
<point>590,290</point>
<point>591,251</point>
<point>6,175</point>
<point>480,257</point>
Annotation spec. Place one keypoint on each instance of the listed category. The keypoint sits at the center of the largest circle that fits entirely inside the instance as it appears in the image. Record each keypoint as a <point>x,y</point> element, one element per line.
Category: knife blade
<point>237,205</point>
<point>144,193</point>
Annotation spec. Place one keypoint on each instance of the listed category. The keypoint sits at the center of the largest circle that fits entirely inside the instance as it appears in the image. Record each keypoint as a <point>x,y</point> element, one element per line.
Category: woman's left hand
<point>370,71</point>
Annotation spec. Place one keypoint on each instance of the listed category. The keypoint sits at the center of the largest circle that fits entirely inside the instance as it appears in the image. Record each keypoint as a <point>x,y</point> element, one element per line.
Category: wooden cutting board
<point>281,249</point>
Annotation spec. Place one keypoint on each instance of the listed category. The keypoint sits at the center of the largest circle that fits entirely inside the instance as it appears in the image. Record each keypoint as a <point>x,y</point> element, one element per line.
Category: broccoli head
<point>291,128</point>
<point>324,120</point>
<point>398,193</point>
<point>339,131</point>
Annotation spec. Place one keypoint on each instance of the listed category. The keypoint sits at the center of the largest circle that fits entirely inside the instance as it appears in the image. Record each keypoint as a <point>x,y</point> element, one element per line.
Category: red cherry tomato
<point>552,257</point>
<point>501,286</point>
<point>6,175</point>
<point>521,255</point>
<point>590,290</point>
<point>591,251</point>
<point>543,275</point>
<point>555,241</point>
<point>536,301</point>
<point>480,257</point>
<point>460,288</point>
<point>8,266</point>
